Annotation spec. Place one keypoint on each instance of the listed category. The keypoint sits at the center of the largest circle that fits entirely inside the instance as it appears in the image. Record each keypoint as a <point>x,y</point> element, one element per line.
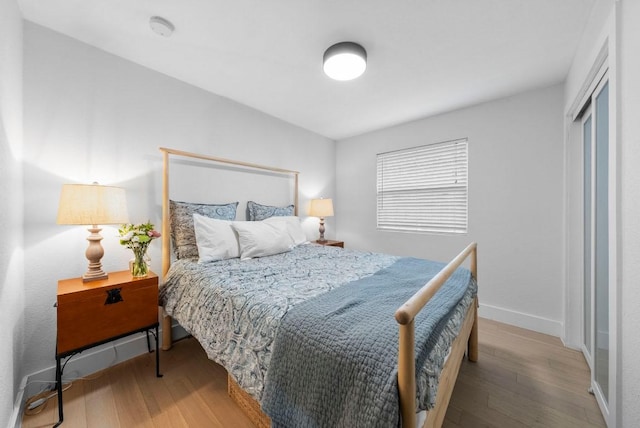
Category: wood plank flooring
<point>522,379</point>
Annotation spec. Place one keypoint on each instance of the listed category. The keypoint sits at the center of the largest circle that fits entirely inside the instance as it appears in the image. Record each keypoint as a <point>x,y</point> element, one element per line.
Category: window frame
<point>430,182</point>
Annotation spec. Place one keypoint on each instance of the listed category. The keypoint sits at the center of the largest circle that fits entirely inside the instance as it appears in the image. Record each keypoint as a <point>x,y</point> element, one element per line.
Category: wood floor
<point>522,379</point>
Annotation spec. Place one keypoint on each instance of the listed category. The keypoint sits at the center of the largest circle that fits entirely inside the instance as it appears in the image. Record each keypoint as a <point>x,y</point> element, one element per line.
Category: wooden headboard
<point>167,153</point>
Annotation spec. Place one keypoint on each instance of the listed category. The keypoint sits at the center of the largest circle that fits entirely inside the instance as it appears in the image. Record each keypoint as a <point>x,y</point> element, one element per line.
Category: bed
<point>261,319</point>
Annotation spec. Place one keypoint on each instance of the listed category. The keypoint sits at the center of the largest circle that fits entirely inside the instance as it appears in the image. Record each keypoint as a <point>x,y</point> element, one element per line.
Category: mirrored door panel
<point>601,241</point>
<point>587,124</point>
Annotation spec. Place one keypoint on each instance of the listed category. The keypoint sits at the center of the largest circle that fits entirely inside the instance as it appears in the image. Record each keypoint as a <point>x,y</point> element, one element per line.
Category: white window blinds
<point>424,188</point>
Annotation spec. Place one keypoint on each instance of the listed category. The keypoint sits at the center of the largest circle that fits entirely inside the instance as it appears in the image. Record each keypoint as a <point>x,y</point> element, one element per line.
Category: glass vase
<point>138,266</point>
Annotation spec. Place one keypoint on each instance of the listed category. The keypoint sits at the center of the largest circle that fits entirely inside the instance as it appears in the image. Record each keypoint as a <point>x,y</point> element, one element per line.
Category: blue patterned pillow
<point>259,212</point>
<point>181,217</point>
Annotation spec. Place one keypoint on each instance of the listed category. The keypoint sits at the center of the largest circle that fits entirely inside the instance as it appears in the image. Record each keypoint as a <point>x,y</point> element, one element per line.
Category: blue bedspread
<point>334,358</point>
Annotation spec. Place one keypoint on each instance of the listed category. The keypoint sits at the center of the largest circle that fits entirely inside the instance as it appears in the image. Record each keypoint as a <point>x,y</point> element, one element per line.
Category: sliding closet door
<point>587,140</point>
<point>601,241</point>
<point>595,140</point>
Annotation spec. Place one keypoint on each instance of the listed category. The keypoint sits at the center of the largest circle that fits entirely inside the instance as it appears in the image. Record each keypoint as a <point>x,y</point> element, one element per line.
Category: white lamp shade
<point>345,61</point>
<point>321,208</point>
<point>92,204</point>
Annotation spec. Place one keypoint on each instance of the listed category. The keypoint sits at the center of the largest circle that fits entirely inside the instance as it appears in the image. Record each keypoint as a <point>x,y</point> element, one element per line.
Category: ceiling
<point>424,57</point>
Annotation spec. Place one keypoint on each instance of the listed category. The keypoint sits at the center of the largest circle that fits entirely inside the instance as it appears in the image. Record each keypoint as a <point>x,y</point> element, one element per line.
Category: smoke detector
<point>161,26</point>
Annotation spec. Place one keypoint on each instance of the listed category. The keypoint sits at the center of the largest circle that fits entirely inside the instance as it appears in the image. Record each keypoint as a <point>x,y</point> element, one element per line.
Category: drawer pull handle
<point>113,296</point>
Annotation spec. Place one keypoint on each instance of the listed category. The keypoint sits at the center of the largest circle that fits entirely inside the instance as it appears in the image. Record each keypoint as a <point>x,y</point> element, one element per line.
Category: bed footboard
<point>405,316</point>
<point>435,417</point>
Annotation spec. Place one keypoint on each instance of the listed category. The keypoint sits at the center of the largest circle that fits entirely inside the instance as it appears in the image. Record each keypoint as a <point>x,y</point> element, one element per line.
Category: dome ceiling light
<point>345,61</point>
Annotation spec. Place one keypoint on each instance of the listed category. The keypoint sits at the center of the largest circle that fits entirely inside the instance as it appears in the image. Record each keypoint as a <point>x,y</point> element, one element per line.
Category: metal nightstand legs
<point>59,387</point>
<point>60,365</point>
<point>155,336</point>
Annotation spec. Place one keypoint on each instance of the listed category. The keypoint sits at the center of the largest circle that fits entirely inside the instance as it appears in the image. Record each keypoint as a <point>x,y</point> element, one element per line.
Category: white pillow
<point>259,239</point>
<point>293,227</point>
<point>215,239</point>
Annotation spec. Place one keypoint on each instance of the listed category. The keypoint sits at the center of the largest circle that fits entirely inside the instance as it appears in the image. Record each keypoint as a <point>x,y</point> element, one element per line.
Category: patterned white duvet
<point>233,307</point>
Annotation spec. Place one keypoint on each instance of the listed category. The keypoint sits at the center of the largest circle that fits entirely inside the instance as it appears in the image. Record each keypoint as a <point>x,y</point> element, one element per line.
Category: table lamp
<point>321,208</point>
<point>92,204</point>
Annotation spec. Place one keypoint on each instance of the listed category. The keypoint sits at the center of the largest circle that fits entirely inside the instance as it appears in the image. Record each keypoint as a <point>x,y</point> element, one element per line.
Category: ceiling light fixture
<point>161,26</point>
<point>345,61</point>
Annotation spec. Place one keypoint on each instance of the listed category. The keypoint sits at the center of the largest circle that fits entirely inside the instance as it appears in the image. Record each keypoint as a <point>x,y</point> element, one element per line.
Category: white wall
<point>92,116</point>
<point>11,268</point>
<point>515,201</point>
<point>629,156</point>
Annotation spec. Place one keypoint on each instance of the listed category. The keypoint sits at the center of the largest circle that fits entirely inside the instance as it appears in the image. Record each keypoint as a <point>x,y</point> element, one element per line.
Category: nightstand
<point>330,243</point>
<point>93,313</point>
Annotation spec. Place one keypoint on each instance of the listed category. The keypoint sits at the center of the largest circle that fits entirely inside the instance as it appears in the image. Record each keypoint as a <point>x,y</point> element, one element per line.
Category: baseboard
<point>15,421</point>
<point>520,319</point>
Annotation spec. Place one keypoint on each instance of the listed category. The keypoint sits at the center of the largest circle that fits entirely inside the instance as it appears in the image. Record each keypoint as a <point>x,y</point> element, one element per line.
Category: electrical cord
<point>38,402</point>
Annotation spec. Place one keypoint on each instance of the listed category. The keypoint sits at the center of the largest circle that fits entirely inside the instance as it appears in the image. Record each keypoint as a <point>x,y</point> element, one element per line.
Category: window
<point>424,188</point>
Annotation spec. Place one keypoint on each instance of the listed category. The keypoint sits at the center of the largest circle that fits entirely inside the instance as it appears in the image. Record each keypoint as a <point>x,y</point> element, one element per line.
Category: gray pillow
<point>181,218</point>
<point>258,212</point>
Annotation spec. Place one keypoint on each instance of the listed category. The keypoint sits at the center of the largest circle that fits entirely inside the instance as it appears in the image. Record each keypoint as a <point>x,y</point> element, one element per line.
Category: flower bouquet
<point>137,237</point>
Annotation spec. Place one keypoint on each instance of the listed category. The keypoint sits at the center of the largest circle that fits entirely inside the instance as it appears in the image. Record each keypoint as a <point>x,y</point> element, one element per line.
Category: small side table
<point>330,243</point>
<point>97,312</point>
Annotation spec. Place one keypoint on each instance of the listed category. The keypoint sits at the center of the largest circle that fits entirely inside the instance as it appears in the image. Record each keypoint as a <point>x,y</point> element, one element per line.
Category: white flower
<point>128,236</point>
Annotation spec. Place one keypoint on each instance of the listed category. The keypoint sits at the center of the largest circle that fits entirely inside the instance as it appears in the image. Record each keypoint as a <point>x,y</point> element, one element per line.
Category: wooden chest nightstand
<point>93,313</point>
<point>330,243</point>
